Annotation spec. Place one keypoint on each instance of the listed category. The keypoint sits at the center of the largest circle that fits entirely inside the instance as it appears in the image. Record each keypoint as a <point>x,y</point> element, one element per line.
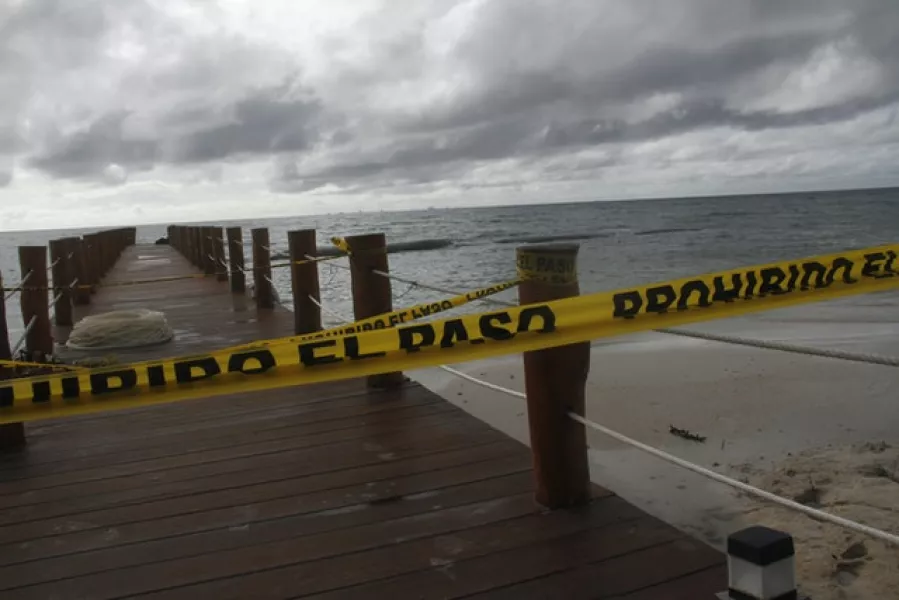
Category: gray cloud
<point>440,90</point>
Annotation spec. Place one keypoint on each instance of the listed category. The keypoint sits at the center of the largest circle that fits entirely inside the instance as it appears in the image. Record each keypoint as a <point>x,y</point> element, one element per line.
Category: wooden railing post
<point>12,435</point>
<point>236,261</point>
<point>218,248</point>
<point>307,316</point>
<point>555,383</point>
<point>90,262</point>
<point>208,250</point>
<point>5,348</point>
<point>62,281</point>
<point>195,246</point>
<point>82,293</point>
<point>372,293</point>
<point>262,269</point>
<point>34,298</point>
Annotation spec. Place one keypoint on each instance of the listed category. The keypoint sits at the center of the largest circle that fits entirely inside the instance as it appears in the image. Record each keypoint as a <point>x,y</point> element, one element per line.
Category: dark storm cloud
<point>525,80</point>
<point>256,125</point>
<point>91,150</point>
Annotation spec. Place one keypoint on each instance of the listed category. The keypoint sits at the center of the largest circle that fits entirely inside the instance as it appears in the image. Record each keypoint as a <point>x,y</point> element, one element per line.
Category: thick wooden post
<point>307,316</point>
<point>62,280</point>
<point>12,435</point>
<point>35,298</point>
<point>372,293</point>
<point>235,260</point>
<point>555,382</point>
<point>208,258</point>
<point>90,260</point>
<point>262,269</point>
<point>197,247</point>
<point>5,349</point>
<point>218,251</point>
<point>81,293</point>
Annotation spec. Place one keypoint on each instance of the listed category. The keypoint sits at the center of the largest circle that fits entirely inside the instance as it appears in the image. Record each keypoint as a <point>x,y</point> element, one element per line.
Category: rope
<point>889,361</point>
<point>24,335</point>
<point>18,288</point>
<point>744,487</point>
<point>54,263</point>
<point>435,288</point>
<point>55,300</point>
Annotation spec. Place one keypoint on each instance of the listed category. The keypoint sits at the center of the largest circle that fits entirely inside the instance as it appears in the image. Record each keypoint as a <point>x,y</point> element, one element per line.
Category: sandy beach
<point>785,422</point>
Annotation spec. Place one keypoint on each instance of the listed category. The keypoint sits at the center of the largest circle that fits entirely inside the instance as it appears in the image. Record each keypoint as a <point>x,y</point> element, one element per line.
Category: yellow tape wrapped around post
<point>469,337</point>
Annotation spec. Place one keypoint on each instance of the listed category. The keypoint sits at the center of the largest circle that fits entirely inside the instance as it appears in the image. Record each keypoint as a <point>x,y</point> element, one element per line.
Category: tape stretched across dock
<point>391,319</point>
<point>469,337</point>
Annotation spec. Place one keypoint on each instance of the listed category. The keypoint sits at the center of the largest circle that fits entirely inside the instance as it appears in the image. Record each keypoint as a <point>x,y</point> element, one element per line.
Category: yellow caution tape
<point>37,365</point>
<point>391,319</point>
<point>464,338</point>
<point>342,245</point>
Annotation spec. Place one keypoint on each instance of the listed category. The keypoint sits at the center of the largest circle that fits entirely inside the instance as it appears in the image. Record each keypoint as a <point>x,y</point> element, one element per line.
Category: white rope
<point>55,300</point>
<point>73,284</point>
<point>889,361</point>
<point>744,487</point>
<point>327,264</point>
<point>54,263</point>
<point>24,334</point>
<point>435,288</point>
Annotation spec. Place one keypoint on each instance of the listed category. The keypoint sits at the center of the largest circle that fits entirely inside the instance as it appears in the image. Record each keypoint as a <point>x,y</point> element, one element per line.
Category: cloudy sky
<point>129,111</point>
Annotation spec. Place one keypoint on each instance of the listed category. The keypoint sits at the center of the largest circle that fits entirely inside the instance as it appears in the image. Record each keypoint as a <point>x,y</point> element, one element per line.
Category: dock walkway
<point>325,491</point>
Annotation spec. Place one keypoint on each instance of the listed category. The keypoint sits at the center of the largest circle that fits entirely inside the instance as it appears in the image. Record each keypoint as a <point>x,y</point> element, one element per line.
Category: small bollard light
<point>761,565</point>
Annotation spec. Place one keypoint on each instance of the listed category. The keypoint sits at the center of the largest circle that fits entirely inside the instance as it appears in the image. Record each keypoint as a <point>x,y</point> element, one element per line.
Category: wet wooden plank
<point>328,491</point>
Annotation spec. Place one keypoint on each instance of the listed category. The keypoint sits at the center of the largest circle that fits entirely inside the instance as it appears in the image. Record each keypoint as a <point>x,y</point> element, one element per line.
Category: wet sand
<point>757,408</point>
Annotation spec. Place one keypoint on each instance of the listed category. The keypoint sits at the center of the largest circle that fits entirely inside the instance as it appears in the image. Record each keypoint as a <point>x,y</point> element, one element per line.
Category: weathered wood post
<point>81,293</point>
<point>91,262</point>
<point>197,247</point>
<point>372,293</point>
<point>62,280</point>
<point>218,248</point>
<point>12,435</point>
<point>208,258</point>
<point>555,382</point>
<point>5,349</point>
<point>34,298</point>
<point>262,269</point>
<point>235,260</point>
<point>307,316</point>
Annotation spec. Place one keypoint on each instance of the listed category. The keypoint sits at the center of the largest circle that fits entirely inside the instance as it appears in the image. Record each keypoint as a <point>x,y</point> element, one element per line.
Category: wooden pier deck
<point>324,491</point>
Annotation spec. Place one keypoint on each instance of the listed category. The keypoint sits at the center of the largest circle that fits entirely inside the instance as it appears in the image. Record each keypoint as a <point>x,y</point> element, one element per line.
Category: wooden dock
<point>323,491</point>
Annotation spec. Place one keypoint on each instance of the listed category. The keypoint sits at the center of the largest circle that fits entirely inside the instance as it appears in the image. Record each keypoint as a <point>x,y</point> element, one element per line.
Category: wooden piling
<point>372,293</point>
<point>12,435</point>
<point>218,247</point>
<point>34,299</point>
<point>307,316</point>
<point>62,280</point>
<point>5,350</point>
<point>81,295</point>
<point>90,262</point>
<point>208,257</point>
<point>197,247</point>
<point>262,269</point>
<point>236,261</point>
<point>555,383</point>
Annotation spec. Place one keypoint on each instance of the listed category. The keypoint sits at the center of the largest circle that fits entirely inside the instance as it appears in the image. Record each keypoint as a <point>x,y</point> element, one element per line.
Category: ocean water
<point>621,244</point>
